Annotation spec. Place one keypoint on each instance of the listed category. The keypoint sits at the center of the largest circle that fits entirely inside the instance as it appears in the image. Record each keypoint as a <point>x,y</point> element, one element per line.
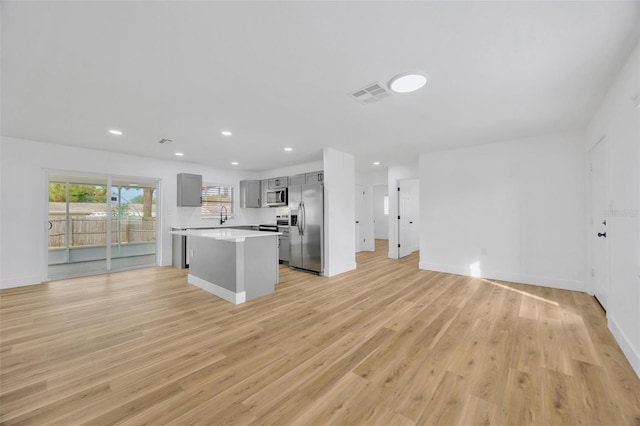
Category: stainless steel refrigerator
<point>306,227</point>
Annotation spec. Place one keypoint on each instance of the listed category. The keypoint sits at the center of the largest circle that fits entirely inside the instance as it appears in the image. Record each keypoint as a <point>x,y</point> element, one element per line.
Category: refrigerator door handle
<point>304,218</point>
<point>300,217</point>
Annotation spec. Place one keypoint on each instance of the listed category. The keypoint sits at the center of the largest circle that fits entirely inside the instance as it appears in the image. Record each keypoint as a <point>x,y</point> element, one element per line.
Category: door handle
<point>603,234</point>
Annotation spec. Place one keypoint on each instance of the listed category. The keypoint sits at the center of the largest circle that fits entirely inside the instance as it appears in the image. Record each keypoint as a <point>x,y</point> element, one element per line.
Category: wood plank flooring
<point>386,344</point>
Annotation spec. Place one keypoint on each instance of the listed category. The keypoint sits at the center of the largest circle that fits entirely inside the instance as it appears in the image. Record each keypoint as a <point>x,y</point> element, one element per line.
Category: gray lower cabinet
<point>250,194</point>
<point>189,190</point>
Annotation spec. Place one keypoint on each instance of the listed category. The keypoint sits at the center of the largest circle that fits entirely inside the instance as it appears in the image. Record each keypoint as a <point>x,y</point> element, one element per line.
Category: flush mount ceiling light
<point>179,154</point>
<point>288,149</point>
<point>407,82</point>
<point>115,132</point>
<point>226,133</point>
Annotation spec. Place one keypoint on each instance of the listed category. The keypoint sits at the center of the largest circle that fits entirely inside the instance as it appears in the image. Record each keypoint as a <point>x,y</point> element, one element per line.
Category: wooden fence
<point>92,231</point>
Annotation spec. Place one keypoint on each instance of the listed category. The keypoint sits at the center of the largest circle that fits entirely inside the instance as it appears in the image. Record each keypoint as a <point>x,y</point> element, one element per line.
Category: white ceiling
<point>278,73</point>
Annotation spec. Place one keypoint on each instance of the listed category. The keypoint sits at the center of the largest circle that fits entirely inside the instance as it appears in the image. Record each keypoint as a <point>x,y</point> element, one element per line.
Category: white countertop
<point>226,234</point>
<point>226,225</point>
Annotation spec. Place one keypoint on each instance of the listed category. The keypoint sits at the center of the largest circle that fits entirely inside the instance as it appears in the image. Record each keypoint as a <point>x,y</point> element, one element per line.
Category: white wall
<point>619,120</point>
<point>395,174</point>
<point>381,226</point>
<point>24,199</point>
<point>339,212</point>
<point>513,210</point>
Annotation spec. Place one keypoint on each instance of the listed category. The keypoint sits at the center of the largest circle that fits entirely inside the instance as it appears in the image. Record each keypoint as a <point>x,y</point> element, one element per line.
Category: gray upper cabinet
<point>250,195</point>
<point>189,190</point>
<point>264,187</point>
<point>314,177</point>
<point>279,182</point>
<point>300,179</point>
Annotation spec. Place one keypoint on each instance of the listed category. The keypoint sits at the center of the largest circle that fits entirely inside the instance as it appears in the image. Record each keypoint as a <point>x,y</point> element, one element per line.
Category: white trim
<point>21,282</point>
<point>625,344</point>
<point>341,269</point>
<point>216,290</point>
<point>560,283</point>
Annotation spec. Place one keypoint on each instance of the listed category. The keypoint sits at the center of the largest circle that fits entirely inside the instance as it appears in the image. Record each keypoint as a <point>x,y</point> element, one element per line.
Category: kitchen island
<point>236,265</point>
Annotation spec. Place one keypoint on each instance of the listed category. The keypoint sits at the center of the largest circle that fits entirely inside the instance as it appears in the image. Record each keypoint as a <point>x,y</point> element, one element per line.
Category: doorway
<point>408,217</point>
<point>361,228</point>
<point>599,247</point>
<point>99,224</point>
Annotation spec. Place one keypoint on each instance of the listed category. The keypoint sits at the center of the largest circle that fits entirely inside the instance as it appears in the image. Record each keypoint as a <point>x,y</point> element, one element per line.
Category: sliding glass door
<point>99,224</point>
<point>133,229</point>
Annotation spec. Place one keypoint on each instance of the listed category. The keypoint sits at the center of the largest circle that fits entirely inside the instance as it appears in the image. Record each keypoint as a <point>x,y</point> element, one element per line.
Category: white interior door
<point>381,212</point>
<point>598,225</point>
<point>408,233</point>
<point>359,197</point>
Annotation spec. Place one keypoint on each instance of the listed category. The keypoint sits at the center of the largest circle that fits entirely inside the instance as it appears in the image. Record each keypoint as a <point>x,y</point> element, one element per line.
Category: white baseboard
<point>330,272</point>
<point>216,290</point>
<point>625,344</point>
<point>21,282</point>
<point>543,281</point>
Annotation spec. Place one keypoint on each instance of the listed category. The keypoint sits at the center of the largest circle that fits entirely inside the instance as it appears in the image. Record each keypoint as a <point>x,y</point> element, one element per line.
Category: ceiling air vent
<point>371,93</point>
<point>164,141</point>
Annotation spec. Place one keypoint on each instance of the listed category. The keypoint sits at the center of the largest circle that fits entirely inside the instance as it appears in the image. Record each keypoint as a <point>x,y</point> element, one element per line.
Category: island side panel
<point>214,261</point>
<point>260,265</point>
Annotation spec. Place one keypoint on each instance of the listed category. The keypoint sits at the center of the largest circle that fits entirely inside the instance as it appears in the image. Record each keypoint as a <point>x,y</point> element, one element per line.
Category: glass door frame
<point>109,178</point>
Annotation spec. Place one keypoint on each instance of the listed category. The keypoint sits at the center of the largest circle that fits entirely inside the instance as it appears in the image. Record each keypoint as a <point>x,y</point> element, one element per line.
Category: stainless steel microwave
<point>277,197</point>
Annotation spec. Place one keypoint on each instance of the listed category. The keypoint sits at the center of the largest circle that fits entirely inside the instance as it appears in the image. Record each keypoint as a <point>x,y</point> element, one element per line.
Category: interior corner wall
<point>339,212</point>
<point>23,173</point>
<point>513,211</point>
<point>395,174</point>
<point>618,120</point>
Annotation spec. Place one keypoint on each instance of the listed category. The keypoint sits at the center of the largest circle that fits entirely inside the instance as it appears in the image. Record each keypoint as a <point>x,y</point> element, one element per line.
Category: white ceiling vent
<point>164,141</point>
<point>373,92</point>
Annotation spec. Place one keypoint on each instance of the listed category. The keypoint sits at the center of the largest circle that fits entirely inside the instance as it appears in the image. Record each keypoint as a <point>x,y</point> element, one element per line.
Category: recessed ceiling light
<point>288,149</point>
<point>376,163</point>
<point>115,132</point>
<point>133,184</point>
<point>226,133</point>
<point>234,163</point>
<point>179,154</point>
<point>407,82</point>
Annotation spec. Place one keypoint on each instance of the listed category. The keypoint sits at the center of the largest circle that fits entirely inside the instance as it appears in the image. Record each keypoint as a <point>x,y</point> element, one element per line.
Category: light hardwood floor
<point>387,344</point>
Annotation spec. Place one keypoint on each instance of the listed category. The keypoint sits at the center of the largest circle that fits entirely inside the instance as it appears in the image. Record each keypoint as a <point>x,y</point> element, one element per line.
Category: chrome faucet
<point>222,221</point>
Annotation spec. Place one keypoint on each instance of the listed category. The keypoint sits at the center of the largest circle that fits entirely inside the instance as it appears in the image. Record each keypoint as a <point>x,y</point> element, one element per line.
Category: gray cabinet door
<point>300,179</point>
<point>264,187</point>
<point>250,195</point>
<point>189,190</point>
<point>279,182</point>
<point>314,177</point>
